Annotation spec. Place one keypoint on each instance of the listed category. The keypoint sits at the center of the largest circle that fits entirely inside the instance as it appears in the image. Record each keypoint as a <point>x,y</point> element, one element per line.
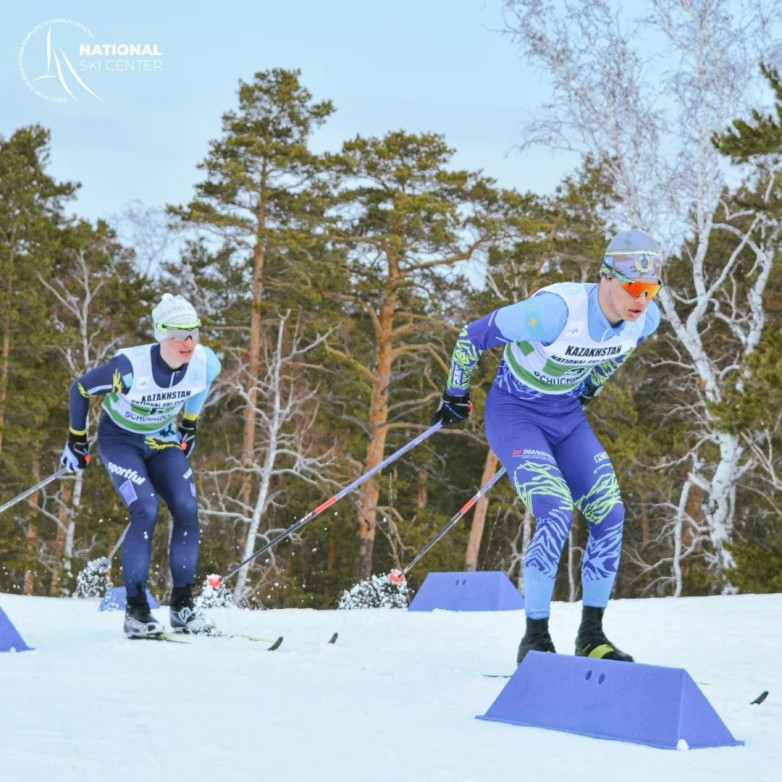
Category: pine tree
<point>260,288</point>
<point>31,218</point>
<point>406,219</point>
<point>762,136</point>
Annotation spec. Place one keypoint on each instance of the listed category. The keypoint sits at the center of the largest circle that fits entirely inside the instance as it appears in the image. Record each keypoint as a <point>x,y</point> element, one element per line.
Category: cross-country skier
<point>144,388</point>
<point>560,347</point>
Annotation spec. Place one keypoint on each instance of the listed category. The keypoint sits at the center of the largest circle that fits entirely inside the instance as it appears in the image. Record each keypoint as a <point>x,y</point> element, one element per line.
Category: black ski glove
<point>76,454</point>
<point>187,433</point>
<point>452,409</point>
<point>589,393</point>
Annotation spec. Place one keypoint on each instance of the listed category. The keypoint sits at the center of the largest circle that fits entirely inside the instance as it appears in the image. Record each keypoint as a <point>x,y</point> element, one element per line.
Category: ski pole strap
<point>466,507</point>
<point>338,496</point>
<point>19,497</point>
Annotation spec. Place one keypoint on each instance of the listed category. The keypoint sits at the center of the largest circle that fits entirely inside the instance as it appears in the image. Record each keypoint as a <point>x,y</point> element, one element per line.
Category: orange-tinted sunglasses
<point>636,288</point>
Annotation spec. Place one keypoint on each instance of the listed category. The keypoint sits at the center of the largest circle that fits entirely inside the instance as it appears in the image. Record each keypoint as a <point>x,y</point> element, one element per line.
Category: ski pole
<point>398,576</point>
<point>19,497</point>
<point>118,543</point>
<point>215,580</point>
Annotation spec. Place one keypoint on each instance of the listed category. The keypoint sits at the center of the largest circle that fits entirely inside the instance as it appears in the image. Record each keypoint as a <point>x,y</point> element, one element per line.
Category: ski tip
<point>276,644</point>
<point>333,638</point>
<point>763,695</point>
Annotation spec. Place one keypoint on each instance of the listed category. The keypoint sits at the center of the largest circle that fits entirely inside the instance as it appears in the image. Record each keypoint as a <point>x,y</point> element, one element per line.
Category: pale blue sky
<point>416,65</point>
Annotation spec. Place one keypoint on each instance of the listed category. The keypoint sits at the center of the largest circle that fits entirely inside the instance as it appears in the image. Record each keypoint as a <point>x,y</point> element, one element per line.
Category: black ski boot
<point>591,640</point>
<point>185,616</point>
<point>139,622</point>
<point>536,639</point>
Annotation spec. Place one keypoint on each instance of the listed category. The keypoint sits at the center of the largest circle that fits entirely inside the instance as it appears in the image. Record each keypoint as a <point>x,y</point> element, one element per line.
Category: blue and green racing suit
<point>558,347</point>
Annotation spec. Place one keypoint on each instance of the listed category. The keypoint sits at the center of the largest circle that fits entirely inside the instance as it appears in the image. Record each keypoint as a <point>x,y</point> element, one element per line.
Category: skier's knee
<point>144,511</point>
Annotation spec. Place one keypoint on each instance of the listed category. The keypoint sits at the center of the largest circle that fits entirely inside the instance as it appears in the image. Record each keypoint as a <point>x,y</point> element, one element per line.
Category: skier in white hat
<point>146,389</point>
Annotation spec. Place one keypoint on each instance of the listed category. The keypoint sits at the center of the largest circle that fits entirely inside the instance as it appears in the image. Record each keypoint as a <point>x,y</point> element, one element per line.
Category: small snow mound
<point>94,580</point>
<point>215,597</point>
<point>374,592</point>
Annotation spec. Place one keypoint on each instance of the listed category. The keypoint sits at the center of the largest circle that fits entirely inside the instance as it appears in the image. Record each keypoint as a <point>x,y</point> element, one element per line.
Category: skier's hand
<point>452,409</point>
<point>187,433</point>
<point>76,454</point>
<point>589,393</point>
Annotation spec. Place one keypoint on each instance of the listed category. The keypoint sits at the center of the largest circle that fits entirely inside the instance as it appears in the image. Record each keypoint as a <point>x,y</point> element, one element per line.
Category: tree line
<point>332,286</point>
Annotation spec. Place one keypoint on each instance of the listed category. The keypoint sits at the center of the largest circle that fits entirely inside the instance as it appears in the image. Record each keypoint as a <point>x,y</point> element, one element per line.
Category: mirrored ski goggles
<point>180,333</point>
<point>636,288</point>
<point>636,263</point>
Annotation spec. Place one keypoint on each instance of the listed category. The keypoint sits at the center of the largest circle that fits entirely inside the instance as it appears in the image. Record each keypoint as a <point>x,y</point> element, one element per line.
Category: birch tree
<point>99,302</point>
<point>288,452</point>
<point>646,97</point>
<point>753,410</point>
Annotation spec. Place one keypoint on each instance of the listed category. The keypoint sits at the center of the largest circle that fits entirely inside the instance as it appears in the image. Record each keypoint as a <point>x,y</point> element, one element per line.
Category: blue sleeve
<point>540,318</point>
<point>117,375</point>
<point>194,404</point>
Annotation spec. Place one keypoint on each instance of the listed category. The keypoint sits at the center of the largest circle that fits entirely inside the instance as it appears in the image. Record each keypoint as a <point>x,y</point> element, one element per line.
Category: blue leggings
<point>555,461</point>
<point>140,473</point>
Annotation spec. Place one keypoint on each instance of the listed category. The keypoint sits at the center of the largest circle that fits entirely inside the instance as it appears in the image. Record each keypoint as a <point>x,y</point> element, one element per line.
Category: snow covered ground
<point>394,699</point>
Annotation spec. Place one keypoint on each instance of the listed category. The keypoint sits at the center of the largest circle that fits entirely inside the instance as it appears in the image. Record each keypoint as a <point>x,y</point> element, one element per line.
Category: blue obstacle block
<point>642,704</point>
<point>486,591</point>
<point>10,640</point>
<point>116,599</point>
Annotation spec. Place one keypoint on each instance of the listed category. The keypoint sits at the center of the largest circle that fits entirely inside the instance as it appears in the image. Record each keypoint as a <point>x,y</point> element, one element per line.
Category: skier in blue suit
<point>144,388</point>
<point>560,346</point>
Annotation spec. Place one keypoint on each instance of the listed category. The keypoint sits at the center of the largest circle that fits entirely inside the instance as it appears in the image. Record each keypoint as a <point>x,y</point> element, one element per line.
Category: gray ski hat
<point>634,253</point>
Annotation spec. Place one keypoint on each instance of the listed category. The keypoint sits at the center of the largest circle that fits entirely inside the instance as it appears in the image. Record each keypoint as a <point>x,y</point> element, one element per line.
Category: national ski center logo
<point>61,60</point>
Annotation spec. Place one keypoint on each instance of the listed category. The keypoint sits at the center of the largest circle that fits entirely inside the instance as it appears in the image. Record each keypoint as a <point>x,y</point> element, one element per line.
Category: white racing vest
<point>147,407</point>
<point>563,365</point>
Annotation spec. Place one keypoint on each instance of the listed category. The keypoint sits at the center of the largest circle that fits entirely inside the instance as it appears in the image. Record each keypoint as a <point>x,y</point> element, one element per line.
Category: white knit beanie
<point>173,311</point>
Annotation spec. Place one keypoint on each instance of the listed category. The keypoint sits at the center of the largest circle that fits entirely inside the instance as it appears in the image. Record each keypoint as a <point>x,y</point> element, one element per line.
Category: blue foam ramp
<point>117,598</point>
<point>10,640</point>
<point>489,590</point>
<point>642,704</point>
